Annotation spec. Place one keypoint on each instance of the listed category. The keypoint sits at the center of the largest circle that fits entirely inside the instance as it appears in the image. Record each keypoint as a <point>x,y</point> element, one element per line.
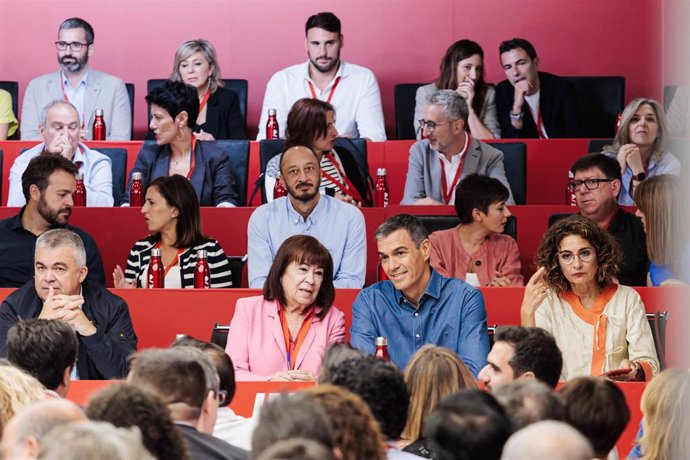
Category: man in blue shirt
<point>417,305</point>
<point>337,225</point>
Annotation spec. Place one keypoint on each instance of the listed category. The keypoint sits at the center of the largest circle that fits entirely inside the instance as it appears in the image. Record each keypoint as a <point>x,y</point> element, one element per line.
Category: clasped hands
<point>67,308</point>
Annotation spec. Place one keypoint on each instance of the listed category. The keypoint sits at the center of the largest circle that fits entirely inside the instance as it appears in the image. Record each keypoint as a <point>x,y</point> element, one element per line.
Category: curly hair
<point>608,252</point>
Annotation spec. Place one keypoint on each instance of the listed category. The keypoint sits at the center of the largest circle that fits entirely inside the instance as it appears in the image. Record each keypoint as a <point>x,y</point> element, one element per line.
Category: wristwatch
<point>516,116</point>
<point>639,177</point>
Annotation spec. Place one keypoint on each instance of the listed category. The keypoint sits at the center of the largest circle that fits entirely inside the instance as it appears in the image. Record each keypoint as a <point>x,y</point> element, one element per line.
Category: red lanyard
<point>348,188</point>
<point>192,160</point>
<point>204,100</point>
<point>448,193</point>
<point>330,96</point>
<point>173,263</point>
<point>66,98</point>
<point>293,348</point>
<point>540,131</point>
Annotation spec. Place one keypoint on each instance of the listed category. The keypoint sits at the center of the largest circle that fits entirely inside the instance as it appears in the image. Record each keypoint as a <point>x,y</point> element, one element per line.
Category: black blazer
<point>223,117</point>
<point>202,446</point>
<point>558,109</point>
<point>356,174</point>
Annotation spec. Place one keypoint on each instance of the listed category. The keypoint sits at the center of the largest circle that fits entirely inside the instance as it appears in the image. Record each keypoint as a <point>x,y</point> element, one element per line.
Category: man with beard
<point>351,89</point>
<point>337,225</point>
<point>60,131</point>
<point>48,183</point>
<point>76,82</point>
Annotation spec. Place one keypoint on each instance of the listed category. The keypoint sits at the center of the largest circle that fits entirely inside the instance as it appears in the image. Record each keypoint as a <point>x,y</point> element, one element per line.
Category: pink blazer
<point>257,347</point>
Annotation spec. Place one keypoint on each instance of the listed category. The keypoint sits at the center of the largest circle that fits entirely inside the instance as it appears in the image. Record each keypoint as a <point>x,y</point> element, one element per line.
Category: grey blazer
<point>424,170</point>
<point>103,92</point>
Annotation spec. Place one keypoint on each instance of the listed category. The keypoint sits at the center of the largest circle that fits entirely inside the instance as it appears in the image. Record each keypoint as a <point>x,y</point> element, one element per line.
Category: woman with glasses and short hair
<point>599,325</point>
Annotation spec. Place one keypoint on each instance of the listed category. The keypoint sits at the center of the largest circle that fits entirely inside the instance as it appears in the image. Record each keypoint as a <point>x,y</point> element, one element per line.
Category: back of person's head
<point>536,351</point>
<point>39,170</point>
<point>607,164</point>
<point>411,224</point>
<point>355,432</point>
<point>529,401</point>
<point>477,191</point>
<point>468,425</point>
<point>326,21</point>
<point>179,193</point>
<point>176,97</point>
<point>125,405</point>
<point>334,355</point>
<point>547,440</point>
<point>220,360</point>
<point>382,386</point>
<point>596,407</point>
<point>432,374</point>
<point>90,440</point>
<point>291,416</point>
<point>306,122</point>
<point>297,449</point>
<point>515,43</point>
<point>17,390</point>
<point>46,349</point>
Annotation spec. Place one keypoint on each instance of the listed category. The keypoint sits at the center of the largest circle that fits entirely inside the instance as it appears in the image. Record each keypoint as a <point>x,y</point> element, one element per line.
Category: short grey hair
<point>50,105</point>
<point>547,439</point>
<point>528,401</point>
<point>63,237</point>
<point>210,372</point>
<point>414,228</point>
<point>454,106</point>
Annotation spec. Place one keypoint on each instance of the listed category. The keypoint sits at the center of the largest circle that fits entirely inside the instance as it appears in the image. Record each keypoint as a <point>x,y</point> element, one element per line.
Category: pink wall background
<point>400,40</point>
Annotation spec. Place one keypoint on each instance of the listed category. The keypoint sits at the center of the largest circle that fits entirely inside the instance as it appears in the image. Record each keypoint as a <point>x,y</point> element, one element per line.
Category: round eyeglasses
<point>567,257</point>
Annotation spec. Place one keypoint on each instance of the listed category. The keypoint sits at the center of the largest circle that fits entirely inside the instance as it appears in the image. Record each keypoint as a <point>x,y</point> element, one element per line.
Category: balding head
<point>547,440</point>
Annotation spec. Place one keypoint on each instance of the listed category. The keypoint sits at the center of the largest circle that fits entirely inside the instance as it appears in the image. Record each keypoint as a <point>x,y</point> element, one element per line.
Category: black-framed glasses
<point>432,125</point>
<point>567,257</point>
<point>74,46</point>
<point>591,184</point>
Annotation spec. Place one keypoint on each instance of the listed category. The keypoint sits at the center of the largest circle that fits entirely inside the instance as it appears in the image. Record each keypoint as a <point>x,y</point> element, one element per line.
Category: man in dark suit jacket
<point>533,104</point>
<point>60,291</point>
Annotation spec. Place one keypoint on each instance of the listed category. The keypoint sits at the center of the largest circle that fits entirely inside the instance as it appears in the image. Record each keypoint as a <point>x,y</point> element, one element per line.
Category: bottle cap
<point>381,342</point>
<point>201,254</point>
<point>271,112</point>
<point>99,112</point>
<point>80,176</point>
<point>137,176</point>
<point>381,172</point>
<point>155,252</point>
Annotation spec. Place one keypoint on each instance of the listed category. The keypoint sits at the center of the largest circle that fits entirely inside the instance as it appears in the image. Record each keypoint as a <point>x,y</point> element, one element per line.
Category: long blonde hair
<point>17,389</point>
<point>432,374</point>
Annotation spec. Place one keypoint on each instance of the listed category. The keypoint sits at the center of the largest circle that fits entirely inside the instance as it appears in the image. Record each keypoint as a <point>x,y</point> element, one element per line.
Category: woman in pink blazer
<point>282,334</point>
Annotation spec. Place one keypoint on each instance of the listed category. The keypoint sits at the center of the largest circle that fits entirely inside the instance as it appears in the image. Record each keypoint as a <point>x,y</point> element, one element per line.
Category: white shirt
<point>451,168</point>
<point>533,103</point>
<point>234,429</point>
<point>76,96</point>
<point>357,100</point>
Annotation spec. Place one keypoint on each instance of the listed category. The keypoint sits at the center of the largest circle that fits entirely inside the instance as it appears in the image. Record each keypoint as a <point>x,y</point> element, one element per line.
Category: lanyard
<point>330,96</point>
<point>174,261</point>
<point>347,188</point>
<point>301,335</point>
<point>66,98</point>
<point>192,161</point>
<point>204,100</point>
<point>540,131</point>
<point>448,193</point>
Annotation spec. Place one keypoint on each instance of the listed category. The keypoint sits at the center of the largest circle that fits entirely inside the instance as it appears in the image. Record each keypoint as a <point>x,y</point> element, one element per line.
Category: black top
<point>17,253</point>
<point>223,117</point>
<point>628,231</point>
<point>557,103</point>
<point>202,446</point>
<point>420,448</point>
<point>103,355</point>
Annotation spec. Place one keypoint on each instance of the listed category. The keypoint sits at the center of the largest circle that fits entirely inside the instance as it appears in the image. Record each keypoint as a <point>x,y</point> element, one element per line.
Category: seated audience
<point>196,64</point>
<point>448,153</point>
<point>297,449</point>
<point>311,122</point>
<point>297,299</point>
<point>61,291</point>
<point>59,129</point>
<point>661,204</point>
<point>306,211</point>
<point>521,353</point>
<point>477,251</point>
<point>174,110</point>
<point>596,408</point>
<point>125,405</point>
<point>48,184</point>
<point>678,113</point>
<point>547,440</point>
<point>17,390</point>
<point>462,70</point>
<point>600,326</point>
<point>46,349</point>
<point>469,425</point>
<point>334,355</point>
<point>528,401</point>
<point>640,146</point>
<point>432,374</point>
<point>355,431</point>
<point>8,121</point>
<point>596,184</point>
<point>172,215</point>
<point>530,103</point>
<point>24,433</point>
<point>417,305</point>
<point>186,381</point>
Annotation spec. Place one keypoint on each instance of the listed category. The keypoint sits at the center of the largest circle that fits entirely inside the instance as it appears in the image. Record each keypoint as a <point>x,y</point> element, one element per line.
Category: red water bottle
<point>618,121</point>
<point>135,191</point>
<point>571,200</point>
<point>279,189</point>
<point>272,129</point>
<point>79,195</point>
<point>381,351</point>
<point>155,272</point>
<point>99,126</point>
<point>202,277</point>
<point>381,198</point>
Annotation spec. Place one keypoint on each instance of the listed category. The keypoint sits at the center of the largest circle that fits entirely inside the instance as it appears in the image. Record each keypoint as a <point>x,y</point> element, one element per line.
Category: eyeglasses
<point>432,125</point>
<point>591,184</point>
<point>222,397</point>
<point>567,257</point>
<point>74,46</point>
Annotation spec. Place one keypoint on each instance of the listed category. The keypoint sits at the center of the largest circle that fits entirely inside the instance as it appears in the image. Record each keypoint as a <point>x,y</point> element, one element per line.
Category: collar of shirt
<point>455,159</point>
<point>313,217</point>
<point>433,289</point>
<point>80,155</point>
<point>342,72</point>
<point>84,82</point>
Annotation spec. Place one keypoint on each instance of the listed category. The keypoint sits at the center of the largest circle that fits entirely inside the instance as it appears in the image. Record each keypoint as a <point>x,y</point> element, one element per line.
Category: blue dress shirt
<point>339,226</point>
<point>667,164</point>
<point>451,314</point>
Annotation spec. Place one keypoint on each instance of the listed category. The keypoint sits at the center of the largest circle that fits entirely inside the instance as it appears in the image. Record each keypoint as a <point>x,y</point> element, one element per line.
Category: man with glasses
<point>448,154</point>
<point>596,185</point>
<point>76,82</point>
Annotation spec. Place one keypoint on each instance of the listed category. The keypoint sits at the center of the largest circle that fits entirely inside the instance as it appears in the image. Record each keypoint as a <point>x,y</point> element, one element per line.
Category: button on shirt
<point>339,226</point>
<point>451,314</point>
<point>76,96</point>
